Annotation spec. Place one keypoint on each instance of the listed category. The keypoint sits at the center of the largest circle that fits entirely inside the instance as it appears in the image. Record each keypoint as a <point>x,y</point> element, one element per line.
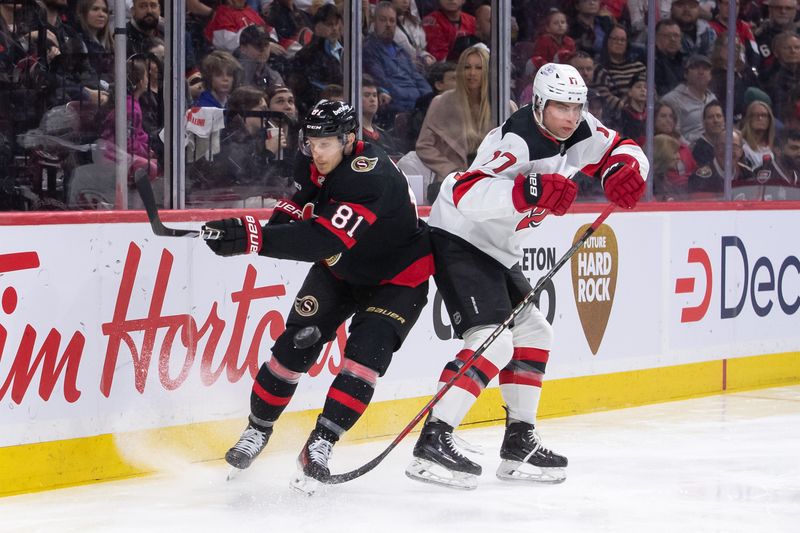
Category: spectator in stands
<point>228,21</point>
<point>666,158</point>
<point>281,99</point>
<point>666,122</point>
<point>458,119</point>
<point>332,91</point>
<point>780,178</point>
<point>747,46</point>
<point>758,132</point>
<point>697,37</point>
<point>669,58</point>
<point>782,18</point>
<point>145,23</point>
<point>253,55</point>
<point>554,40</point>
<point>220,72</point>
<point>247,151</point>
<point>390,65</point>
<point>713,133</point>
<point>483,33</point>
<point>630,120</point>
<point>151,100</point>
<point>589,29</point>
<point>441,77</point>
<point>618,66</point>
<point>689,99</point>
<point>585,65</point>
<point>783,78</point>
<point>369,109</point>
<point>55,12</point>
<point>411,34</point>
<point>94,29</point>
<point>138,149</point>
<point>444,25</point>
<point>319,63</point>
<point>743,77</point>
<point>289,21</point>
<point>711,178</point>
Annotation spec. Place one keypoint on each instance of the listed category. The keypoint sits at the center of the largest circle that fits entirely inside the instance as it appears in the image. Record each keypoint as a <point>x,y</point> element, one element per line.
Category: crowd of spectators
<point>255,66</point>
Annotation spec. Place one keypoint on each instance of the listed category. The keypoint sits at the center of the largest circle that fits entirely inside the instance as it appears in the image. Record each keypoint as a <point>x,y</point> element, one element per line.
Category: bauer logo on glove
<point>548,191</point>
<point>239,236</point>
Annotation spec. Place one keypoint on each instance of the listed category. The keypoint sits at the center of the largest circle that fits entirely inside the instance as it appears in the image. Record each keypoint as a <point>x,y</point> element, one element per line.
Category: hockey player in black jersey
<point>520,174</point>
<point>372,261</point>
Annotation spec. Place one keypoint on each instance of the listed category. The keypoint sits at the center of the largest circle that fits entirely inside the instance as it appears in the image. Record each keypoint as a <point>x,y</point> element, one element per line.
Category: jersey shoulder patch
<point>363,163</point>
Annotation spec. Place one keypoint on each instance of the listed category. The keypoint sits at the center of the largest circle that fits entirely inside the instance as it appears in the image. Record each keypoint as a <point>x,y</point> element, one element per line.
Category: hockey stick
<point>149,201</point>
<point>360,471</point>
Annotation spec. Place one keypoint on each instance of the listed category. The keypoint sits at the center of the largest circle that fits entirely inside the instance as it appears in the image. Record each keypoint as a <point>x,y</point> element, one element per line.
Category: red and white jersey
<point>476,205</point>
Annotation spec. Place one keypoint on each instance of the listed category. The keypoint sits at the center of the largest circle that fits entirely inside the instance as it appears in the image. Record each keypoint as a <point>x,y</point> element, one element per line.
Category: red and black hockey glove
<point>238,236</point>
<point>550,191</point>
<point>623,185</point>
<point>288,211</point>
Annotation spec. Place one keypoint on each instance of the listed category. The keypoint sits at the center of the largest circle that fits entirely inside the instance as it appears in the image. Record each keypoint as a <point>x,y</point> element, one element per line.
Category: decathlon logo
<point>761,283</point>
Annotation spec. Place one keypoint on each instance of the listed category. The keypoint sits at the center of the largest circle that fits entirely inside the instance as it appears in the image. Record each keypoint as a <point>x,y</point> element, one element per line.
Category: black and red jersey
<point>365,229</point>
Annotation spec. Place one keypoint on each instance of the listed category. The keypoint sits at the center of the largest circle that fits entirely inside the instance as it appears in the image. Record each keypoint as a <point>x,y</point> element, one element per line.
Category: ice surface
<point>722,463</point>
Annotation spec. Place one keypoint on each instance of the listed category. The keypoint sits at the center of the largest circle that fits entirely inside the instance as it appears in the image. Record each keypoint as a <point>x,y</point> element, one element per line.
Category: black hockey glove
<point>239,236</point>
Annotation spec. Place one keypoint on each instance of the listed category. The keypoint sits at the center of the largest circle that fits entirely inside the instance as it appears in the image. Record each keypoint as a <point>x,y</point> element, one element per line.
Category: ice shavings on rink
<point>721,463</point>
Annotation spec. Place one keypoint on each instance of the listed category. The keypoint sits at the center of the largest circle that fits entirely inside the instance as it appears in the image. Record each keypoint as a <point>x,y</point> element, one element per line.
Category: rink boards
<point>116,345</point>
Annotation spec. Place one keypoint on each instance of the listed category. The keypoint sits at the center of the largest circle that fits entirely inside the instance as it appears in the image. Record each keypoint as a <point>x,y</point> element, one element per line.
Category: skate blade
<point>525,472</point>
<point>233,473</point>
<point>304,484</point>
<point>429,472</point>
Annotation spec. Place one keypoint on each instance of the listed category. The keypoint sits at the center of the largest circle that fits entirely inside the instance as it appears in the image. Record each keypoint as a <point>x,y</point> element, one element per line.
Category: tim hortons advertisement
<point>107,328</point>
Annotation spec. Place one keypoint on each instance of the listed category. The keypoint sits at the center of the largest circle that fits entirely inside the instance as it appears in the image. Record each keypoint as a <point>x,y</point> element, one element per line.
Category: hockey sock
<point>521,383</point>
<point>273,389</point>
<point>454,405</point>
<point>348,397</point>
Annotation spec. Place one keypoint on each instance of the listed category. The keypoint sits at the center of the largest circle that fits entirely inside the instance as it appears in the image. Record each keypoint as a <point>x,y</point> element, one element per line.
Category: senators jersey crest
<point>363,164</point>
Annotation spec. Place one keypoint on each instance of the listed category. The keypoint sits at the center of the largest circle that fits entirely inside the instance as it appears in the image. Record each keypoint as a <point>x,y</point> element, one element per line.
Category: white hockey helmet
<point>561,83</point>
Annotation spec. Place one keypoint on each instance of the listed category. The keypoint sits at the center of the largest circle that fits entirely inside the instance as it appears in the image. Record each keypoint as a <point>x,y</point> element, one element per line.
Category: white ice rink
<point>722,463</point>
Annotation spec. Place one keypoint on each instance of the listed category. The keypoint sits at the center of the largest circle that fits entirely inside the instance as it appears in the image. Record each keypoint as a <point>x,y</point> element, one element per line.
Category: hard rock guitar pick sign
<point>594,281</point>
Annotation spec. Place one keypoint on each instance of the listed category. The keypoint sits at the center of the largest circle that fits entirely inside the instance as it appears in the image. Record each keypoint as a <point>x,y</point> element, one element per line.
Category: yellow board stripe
<point>47,465</point>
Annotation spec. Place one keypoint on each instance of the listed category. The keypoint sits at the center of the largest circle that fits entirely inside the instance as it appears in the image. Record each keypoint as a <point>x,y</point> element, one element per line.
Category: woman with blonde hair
<point>458,119</point>
<point>758,133</point>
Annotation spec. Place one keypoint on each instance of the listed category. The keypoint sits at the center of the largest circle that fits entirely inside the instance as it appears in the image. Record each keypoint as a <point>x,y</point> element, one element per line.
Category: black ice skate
<point>312,464</point>
<point>438,460</point>
<point>244,452</point>
<point>525,459</point>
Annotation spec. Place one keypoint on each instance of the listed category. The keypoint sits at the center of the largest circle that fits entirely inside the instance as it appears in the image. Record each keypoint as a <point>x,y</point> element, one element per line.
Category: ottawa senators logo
<point>363,164</point>
<point>532,219</point>
<point>306,306</point>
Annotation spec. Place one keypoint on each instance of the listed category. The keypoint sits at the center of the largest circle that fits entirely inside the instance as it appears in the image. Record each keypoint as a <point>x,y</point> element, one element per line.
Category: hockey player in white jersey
<point>521,173</point>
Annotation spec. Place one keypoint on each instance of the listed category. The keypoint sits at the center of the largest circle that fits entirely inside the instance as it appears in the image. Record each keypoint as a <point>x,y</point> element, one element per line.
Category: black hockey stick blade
<point>149,201</point>
<point>336,479</point>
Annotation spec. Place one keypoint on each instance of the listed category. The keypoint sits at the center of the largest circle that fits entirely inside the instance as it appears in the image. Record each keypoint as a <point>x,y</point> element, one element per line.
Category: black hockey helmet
<point>330,118</point>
